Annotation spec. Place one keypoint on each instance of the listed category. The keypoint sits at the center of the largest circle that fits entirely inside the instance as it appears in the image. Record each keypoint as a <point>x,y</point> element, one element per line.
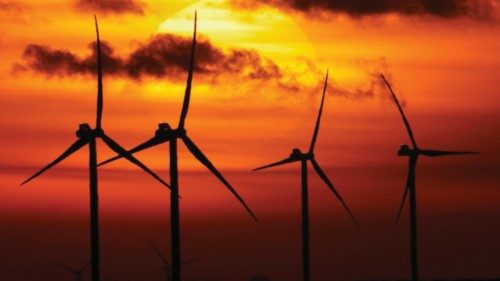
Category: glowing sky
<point>255,97</point>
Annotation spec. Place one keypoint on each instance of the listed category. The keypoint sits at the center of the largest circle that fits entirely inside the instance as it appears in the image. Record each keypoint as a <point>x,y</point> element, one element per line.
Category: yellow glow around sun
<point>273,34</point>
<point>268,31</point>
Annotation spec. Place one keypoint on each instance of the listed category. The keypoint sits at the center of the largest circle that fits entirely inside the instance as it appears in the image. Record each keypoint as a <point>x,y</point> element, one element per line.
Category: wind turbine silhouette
<point>88,136</point>
<point>78,273</point>
<point>298,156</point>
<point>166,134</point>
<point>413,154</point>
<point>166,265</point>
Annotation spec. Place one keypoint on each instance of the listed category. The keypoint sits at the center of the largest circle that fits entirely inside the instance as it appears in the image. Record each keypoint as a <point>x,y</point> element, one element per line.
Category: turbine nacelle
<point>166,132</point>
<point>405,150</point>
<point>164,127</point>
<point>85,131</point>
<point>297,154</point>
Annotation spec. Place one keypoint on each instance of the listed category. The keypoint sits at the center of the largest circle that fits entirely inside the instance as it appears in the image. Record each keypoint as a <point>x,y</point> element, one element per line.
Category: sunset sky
<point>257,86</point>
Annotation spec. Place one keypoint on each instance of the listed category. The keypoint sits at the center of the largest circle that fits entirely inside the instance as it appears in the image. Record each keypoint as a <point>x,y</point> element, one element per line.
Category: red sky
<point>255,97</point>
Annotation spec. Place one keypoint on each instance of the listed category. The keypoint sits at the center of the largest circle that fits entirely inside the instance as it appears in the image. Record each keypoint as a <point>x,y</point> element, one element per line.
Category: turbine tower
<point>88,136</point>
<point>167,266</point>
<point>303,158</point>
<point>413,154</point>
<point>77,272</point>
<point>166,134</point>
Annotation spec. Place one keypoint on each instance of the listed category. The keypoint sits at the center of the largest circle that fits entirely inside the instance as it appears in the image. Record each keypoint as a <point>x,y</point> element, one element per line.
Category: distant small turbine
<point>298,156</point>
<point>166,134</point>
<point>78,273</point>
<point>413,154</point>
<point>167,266</point>
<point>87,136</point>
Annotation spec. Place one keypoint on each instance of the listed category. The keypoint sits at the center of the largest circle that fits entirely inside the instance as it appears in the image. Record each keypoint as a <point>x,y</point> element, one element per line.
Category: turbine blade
<point>73,148</point>
<point>189,261</point>
<point>145,145</point>
<point>407,124</point>
<point>278,163</point>
<point>205,161</point>
<point>436,153</point>
<point>323,176</point>
<point>403,200</point>
<point>124,153</point>
<point>410,179</point>
<point>187,93</point>
<point>99,77</point>
<point>63,266</point>
<point>316,128</point>
<point>159,253</point>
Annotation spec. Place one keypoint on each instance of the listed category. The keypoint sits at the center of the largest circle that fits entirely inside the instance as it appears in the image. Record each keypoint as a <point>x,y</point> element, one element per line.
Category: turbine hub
<point>98,132</point>
<point>164,127</point>
<point>84,130</point>
<point>166,132</point>
<point>180,132</point>
<point>297,154</point>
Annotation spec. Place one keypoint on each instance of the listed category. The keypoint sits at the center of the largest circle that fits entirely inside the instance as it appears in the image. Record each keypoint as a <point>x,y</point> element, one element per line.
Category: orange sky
<point>445,69</point>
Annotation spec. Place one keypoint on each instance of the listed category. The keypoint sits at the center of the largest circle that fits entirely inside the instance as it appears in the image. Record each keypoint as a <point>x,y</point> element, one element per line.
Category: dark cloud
<point>162,56</point>
<point>111,6</point>
<point>251,64</point>
<point>166,56</point>
<point>477,9</point>
<point>45,60</point>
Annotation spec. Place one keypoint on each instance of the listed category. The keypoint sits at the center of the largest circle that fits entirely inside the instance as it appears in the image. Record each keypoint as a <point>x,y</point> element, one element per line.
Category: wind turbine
<point>166,265</point>
<point>77,272</point>
<point>413,154</point>
<point>166,134</point>
<point>88,136</point>
<point>303,158</point>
